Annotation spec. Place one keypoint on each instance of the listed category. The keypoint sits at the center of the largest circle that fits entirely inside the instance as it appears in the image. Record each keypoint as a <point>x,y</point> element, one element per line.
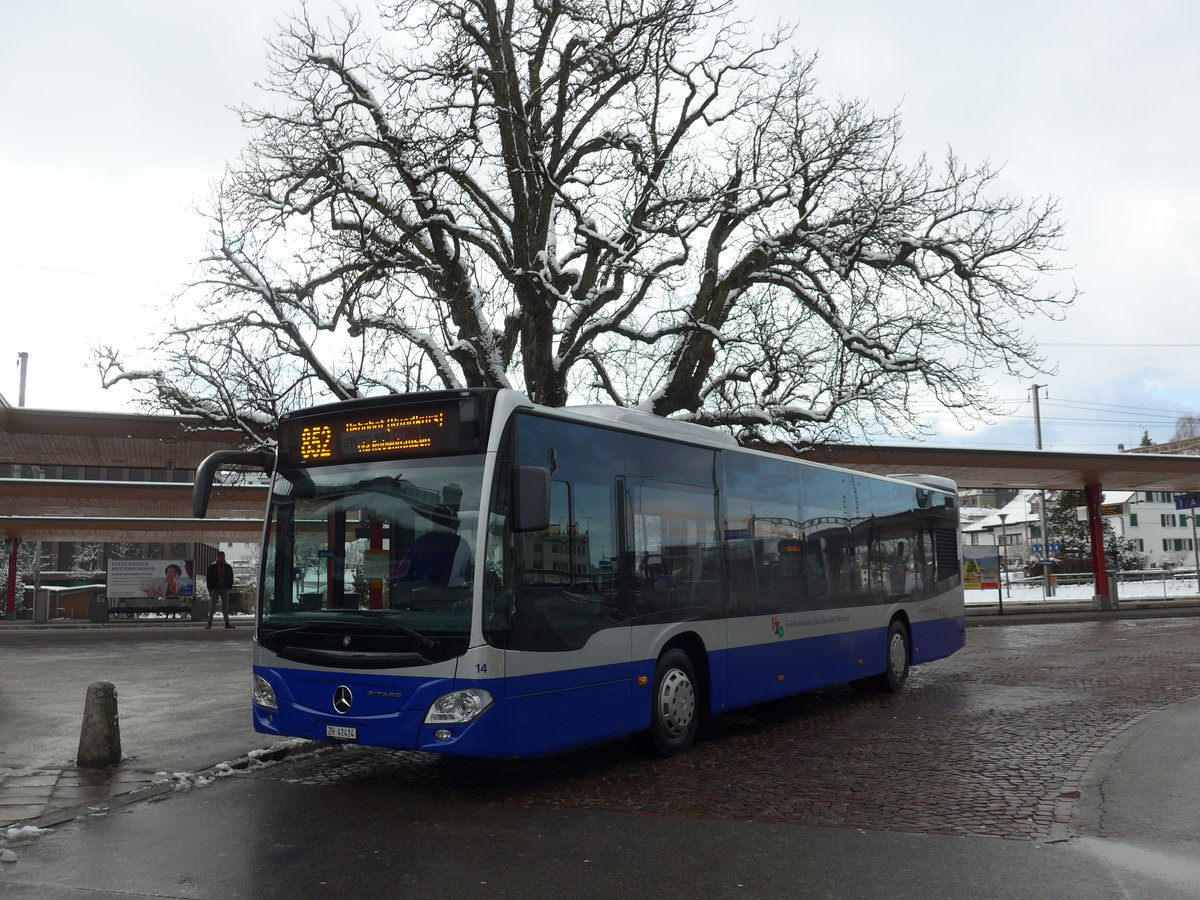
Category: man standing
<point>220,583</point>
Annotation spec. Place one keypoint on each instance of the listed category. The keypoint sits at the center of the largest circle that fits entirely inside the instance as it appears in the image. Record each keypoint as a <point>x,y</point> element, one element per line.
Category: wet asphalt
<point>1049,758</point>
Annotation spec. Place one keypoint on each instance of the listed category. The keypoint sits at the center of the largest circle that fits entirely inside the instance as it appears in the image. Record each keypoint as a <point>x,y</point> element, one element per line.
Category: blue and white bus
<point>466,572</point>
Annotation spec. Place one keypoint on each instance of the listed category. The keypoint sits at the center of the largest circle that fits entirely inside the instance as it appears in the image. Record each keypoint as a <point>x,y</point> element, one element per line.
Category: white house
<point>1149,518</point>
<point>1016,526</point>
<point>1168,536</point>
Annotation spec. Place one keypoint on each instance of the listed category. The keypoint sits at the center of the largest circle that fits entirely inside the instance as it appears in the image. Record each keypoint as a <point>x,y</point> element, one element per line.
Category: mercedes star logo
<point>343,699</point>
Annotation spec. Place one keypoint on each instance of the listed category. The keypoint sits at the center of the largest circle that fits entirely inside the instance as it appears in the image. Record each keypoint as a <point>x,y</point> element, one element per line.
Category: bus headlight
<point>264,694</point>
<point>458,707</point>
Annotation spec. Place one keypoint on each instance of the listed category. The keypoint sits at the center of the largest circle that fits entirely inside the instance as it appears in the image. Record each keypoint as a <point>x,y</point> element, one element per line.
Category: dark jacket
<point>219,576</point>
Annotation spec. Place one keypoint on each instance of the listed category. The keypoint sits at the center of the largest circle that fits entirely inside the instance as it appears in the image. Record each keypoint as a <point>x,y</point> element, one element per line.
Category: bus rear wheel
<point>675,712</point>
<point>897,651</point>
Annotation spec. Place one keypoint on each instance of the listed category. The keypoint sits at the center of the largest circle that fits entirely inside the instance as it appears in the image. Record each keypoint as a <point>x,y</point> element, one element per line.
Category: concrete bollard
<point>100,736</point>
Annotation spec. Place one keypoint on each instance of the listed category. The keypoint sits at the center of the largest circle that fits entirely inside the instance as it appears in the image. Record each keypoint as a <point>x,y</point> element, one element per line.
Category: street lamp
<point>1003,561</point>
<point>999,566</point>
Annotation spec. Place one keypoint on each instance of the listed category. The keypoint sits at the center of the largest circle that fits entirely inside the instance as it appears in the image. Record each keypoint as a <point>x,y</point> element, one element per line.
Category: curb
<point>1081,613</point>
<point>24,625</point>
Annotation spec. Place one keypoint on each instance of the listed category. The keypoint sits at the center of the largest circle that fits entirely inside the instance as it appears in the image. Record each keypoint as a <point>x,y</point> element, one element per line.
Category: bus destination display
<point>377,434</point>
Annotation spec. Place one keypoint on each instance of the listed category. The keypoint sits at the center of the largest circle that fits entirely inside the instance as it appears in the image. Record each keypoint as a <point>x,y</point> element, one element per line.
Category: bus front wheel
<point>675,714</point>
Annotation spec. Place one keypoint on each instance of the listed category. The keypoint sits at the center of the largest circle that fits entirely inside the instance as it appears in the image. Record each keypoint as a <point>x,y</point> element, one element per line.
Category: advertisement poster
<point>981,568</point>
<point>159,580</point>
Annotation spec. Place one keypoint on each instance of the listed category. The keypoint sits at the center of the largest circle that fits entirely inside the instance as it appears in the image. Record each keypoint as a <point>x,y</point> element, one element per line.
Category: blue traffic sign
<point>1187,501</point>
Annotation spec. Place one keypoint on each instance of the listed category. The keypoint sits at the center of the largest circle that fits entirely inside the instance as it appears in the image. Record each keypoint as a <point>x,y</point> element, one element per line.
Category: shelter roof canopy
<point>1037,469</point>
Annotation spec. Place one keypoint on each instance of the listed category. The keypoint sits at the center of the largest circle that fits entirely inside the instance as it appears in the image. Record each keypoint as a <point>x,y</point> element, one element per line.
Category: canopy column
<point>1102,598</point>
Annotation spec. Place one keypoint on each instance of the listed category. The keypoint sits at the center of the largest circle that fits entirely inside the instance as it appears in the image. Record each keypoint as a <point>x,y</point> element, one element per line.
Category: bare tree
<point>1186,427</point>
<point>86,563</point>
<point>626,201</point>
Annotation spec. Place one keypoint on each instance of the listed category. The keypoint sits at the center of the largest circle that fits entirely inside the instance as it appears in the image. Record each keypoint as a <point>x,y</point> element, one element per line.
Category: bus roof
<point>657,425</point>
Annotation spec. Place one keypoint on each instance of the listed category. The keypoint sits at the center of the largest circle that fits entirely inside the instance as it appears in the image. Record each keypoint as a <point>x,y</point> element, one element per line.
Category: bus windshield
<point>384,547</point>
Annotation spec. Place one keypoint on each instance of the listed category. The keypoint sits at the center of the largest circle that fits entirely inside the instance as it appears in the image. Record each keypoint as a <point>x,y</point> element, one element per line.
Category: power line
<point>1107,415</point>
<point>1141,422</point>
<point>1086,404</point>
<point>1134,423</point>
<point>1083,404</point>
<point>1091,343</point>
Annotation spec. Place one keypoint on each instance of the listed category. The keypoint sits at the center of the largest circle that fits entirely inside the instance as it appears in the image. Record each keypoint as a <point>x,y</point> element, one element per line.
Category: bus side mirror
<point>207,470</point>
<point>530,499</point>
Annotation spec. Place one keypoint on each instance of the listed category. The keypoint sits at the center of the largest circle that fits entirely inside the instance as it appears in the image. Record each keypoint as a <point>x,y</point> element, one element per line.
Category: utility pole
<point>23,364</point>
<point>1047,587</point>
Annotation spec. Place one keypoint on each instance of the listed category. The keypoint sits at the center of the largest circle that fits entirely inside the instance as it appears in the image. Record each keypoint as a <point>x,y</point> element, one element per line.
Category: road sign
<point>1036,548</point>
<point>1187,501</point>
<point>1055,546</point>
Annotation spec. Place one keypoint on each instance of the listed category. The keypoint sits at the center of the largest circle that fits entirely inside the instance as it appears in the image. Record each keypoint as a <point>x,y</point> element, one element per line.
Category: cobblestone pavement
<point>992,741</point>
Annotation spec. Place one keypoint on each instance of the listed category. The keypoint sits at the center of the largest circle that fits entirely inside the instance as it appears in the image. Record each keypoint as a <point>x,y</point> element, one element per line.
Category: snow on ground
<point>1031,591</point>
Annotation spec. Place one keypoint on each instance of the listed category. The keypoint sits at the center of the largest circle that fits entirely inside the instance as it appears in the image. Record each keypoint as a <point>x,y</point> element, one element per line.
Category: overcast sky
<point>117,120</point>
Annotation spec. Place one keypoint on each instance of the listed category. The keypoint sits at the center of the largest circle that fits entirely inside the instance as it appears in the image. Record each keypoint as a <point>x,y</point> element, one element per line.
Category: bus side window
<point>762,535</point>
<point>546,555</point>
<point>565,577</point>
<point>675,546</point>
<point>593,520</point>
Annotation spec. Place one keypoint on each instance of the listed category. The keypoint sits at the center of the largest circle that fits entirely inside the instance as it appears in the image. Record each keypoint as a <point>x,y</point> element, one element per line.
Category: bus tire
<point>675,708</point>
<point>897,653</point>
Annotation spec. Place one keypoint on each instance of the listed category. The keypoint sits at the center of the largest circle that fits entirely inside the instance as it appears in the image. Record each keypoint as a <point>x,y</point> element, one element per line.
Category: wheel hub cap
<point>676,701</point>
<point>897,655</point>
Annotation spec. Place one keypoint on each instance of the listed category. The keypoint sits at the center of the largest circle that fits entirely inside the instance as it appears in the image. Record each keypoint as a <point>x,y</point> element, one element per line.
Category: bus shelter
<point>105,500</point>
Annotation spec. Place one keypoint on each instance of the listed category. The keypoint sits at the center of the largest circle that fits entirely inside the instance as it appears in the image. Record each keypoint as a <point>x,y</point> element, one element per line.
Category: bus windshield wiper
<point>424,641</point>
<point>307,626</point>
<point>425,644</point>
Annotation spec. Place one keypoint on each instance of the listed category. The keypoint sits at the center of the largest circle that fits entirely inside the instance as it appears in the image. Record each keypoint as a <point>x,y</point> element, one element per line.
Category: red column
<point>11,606</point>
<point>1096,532</point>
<point>376,584</point>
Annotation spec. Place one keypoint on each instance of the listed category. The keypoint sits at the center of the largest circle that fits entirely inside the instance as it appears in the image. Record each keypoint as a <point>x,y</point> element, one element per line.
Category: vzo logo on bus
<point>776,627</point>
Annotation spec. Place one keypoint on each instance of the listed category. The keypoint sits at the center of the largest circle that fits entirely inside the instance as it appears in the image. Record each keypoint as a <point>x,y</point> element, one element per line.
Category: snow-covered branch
<point>627,201</point>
